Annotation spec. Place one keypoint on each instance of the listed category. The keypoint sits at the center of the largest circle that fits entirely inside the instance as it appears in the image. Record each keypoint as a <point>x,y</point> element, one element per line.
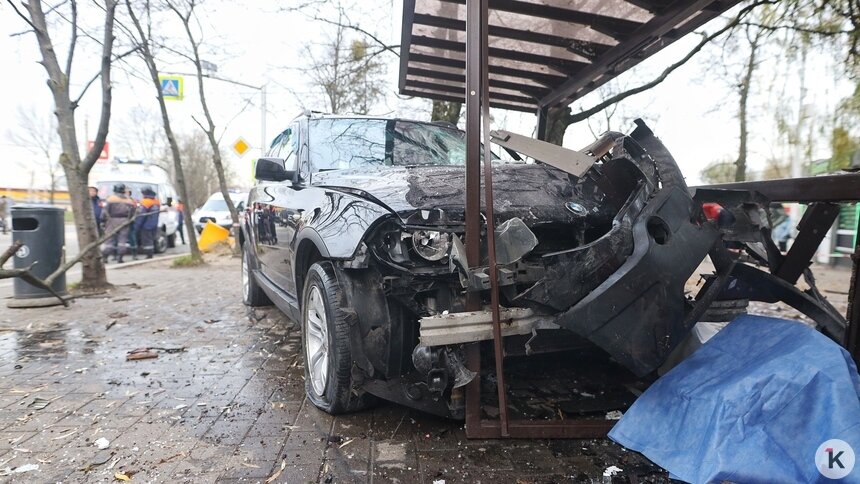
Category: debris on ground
<point>150,352</point>
<point>102,443</point>
<point>39,403</point>
<point>140,354</point>
<point>760,383</point>
<point>611,471</point>
<point>121,477</point>
<point>19,470</point>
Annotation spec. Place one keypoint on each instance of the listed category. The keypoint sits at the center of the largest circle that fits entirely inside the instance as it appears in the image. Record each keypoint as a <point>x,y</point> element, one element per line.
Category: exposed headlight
<point>430,244</point>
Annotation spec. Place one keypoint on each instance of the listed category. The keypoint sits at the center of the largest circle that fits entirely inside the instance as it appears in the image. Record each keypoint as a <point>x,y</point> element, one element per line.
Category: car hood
<point>535,193</point>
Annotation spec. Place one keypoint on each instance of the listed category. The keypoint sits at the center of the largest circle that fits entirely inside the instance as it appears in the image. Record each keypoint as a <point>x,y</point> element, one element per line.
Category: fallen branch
<point>25,273</point>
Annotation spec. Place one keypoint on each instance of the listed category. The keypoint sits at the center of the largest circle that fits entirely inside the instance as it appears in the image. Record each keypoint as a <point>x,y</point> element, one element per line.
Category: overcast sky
<point>258,43</point>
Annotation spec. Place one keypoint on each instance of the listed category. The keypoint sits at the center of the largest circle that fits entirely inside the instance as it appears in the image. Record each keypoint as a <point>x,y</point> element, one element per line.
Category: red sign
<point>103,156</point>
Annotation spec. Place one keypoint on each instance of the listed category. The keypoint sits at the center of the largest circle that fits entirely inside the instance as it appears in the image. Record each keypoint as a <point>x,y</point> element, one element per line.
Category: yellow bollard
<point>211,236</point>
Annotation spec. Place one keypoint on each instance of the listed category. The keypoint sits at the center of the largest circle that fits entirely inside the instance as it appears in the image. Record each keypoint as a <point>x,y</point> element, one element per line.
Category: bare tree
<point>75,167</point>
<point>754,38</point>
<point>560,117</point>
<point>140,134</point>
<point>201,180</point>
<point>446,111</point>
<point>39,135</point>
<point>346,70</point>
<point>143,41</point>
<point>186,14</point>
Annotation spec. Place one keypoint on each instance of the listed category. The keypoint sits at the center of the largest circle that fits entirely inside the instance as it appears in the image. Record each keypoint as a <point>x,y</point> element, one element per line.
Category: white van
<point>135,175</point>
<point>215,210</point>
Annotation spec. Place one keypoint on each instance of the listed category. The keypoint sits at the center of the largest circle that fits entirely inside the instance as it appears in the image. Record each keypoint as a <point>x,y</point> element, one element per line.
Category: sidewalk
<point>229,407</point>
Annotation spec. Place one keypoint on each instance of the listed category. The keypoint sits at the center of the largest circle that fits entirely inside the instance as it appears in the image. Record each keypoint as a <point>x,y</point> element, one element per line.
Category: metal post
<point>473,137</point>
<point>263,121</point>
<point>473,198</point>
<point>853,334</point>
<point>542,122</point>
<point>498,347</point>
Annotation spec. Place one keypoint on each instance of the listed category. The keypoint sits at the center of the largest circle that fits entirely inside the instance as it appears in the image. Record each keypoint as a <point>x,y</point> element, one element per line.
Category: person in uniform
<point>117,210</point>
<point>146,223</point>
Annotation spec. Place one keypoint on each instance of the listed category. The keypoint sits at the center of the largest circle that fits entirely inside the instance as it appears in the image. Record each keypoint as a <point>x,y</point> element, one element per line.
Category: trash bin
<point>42,231</point>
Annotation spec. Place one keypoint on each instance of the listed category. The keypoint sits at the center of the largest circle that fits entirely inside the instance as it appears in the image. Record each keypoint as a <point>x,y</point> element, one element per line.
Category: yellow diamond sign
<point>241,146</point>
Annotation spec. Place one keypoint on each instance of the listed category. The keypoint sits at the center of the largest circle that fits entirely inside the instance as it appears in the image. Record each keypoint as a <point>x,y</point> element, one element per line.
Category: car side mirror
<point>272,169</point>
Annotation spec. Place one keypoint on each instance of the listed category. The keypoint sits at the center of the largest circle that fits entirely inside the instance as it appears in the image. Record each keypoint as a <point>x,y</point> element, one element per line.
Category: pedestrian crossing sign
<point>171,87</point>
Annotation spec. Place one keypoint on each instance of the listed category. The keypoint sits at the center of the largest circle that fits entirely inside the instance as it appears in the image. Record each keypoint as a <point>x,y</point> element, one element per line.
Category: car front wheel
<point>326,344</point>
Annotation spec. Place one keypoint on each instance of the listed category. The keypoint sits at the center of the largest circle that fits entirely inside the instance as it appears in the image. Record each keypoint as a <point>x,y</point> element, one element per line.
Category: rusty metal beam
<point>817,220</point>
<point>828,188</point>
<point>498,346</point>
<point>542,123</point>
<point>853,334</point>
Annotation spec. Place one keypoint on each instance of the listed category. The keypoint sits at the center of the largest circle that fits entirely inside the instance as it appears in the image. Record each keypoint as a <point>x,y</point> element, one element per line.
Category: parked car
<point>215,210</point>
<point>356,230</point>
<point>135,175</point>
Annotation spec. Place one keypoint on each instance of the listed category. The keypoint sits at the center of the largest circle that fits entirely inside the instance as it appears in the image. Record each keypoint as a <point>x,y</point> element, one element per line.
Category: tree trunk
<point>210,131</point>
<point>446,111</point>
<point>743,101</point>
<point>93,269</point>
<point>149,60</point>
<point>558,119</point>
<point>76,168</point>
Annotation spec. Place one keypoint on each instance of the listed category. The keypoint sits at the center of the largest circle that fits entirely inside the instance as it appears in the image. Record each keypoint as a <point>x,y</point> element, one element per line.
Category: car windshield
<point>342,143</point>
<point>215,205</point>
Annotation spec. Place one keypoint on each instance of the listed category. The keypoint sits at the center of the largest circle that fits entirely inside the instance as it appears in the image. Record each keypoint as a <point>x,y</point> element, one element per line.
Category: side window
<point>275,148</point>
<point>289,144</point>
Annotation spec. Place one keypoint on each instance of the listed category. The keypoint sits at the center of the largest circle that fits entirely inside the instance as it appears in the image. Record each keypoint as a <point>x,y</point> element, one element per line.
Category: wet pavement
<point>224,400</point>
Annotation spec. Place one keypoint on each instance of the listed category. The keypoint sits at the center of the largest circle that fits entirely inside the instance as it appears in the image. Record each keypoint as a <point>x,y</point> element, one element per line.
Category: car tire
<point>252,293</point>
<point>326,344</point>
<point>171,241</point>
<point>160,242</point>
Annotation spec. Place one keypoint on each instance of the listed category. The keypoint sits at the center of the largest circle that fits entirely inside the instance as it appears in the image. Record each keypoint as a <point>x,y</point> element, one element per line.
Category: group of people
<point>116,212</point>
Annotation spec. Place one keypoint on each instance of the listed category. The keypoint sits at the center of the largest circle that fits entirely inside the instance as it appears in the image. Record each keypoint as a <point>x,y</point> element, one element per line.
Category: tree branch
<point>20,14</point>
<point>74,38</point>
<point>575,118</point>
<point>104,121</point>
<point>383,45</point>
<point>98,74</point>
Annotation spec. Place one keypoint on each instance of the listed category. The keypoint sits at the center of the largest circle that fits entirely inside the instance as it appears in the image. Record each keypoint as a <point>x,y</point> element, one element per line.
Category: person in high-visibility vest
<point>147,221</point>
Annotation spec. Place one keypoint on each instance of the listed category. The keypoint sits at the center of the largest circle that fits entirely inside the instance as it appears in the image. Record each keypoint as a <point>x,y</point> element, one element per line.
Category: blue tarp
<point>754,404</point>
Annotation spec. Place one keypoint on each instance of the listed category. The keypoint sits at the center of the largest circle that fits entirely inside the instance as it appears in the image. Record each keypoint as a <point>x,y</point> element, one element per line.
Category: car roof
<point>318,115</point>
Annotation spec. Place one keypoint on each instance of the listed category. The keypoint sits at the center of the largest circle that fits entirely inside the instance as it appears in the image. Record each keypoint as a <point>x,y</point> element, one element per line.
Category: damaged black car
<point>356,230</point>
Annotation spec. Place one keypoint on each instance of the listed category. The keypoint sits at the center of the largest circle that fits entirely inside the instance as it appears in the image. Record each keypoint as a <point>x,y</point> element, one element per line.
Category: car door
<point>278,217</point>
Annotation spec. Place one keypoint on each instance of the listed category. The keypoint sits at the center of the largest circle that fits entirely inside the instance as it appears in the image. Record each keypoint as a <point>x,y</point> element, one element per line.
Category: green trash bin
<point>41,229</point>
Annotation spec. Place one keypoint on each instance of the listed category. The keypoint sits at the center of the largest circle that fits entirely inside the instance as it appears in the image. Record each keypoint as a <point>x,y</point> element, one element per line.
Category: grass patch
<point>68,216</point>
<point>72,285</point>
<point>187,261</point>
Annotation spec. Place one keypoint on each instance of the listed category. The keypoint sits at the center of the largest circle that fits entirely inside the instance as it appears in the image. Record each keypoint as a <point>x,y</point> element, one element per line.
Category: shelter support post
<point>542,123</point>
<point>477,112</point>
<point>853,338</point>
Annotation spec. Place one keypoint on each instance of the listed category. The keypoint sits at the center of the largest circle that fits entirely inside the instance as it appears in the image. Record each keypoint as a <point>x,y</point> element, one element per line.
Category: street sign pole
<point>263,121</point>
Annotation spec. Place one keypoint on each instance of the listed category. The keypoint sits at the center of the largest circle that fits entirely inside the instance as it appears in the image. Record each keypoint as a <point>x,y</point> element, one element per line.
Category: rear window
<point>106,189</point>
<point>215,205</point>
